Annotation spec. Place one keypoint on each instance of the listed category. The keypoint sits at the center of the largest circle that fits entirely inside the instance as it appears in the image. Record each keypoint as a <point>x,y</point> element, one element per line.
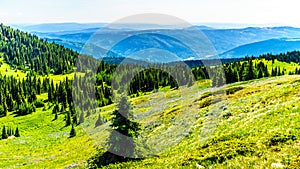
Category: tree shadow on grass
<point>17,114</point>
<point>108,158</point>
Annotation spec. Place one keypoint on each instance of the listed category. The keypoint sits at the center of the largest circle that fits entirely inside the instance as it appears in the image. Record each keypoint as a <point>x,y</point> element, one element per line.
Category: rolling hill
<point>274,46</point>
<point>226,41</point>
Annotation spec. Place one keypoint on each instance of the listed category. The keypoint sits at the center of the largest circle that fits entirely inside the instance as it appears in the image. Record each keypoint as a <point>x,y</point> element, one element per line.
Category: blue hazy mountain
<point>274,46</point>
<point>227,42</point>
<point>58,27</point>
<point>228,39</point>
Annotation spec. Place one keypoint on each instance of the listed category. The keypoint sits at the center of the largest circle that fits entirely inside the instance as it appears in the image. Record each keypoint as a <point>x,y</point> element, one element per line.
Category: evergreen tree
<point>81,118</point>
<point>4,133</point>
<point>88,113</point>
<point>279,72</point>
<point>266,72</point>
<point>72,132</point>
<point>75,119</point>
<point>55,116</point>
<point>9,132</point>
<point>249,75</point>
<point>68,118</point>
<point>260,74</point>
<point>17,134</point>
<point>99,121</point>
<point>55,109</point>
<point>2,111</point>
<point>124,130</point>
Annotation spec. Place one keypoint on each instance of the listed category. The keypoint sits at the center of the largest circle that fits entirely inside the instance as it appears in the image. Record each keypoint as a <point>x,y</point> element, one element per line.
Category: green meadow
<point>253,124</point>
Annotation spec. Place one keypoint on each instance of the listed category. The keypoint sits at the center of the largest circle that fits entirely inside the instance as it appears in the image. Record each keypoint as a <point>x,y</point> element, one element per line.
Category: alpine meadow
<point>137,94</point>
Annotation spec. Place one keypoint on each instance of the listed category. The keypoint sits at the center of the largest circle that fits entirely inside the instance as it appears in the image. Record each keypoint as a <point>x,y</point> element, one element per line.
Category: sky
<point>275,12</point>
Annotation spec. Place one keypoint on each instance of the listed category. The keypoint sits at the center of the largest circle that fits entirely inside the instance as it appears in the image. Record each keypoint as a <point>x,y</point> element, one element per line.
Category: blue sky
<point>194,11</point>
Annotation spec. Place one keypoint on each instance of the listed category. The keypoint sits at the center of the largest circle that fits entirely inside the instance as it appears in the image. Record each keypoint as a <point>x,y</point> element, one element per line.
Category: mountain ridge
<point>223,40</point>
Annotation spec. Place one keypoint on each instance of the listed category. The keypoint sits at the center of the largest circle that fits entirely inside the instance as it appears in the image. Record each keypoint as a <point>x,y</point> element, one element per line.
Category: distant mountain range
<point>58,27</point>
<point>274,46</point>
<point>229,43</point>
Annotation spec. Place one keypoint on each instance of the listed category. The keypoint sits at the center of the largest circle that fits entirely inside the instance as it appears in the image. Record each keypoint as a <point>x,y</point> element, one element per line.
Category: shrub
<point>225,150</point>
<point>281,137</point>
<point>26,108</point>
<point>39,104</point>
<point>233,90</point>
<point>227,115</point>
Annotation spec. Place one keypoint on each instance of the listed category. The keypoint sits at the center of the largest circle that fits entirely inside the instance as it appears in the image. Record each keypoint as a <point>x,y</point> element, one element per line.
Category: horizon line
<point>216,25</point>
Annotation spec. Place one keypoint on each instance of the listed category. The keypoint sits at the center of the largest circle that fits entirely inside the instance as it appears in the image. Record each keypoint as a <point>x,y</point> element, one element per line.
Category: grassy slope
<point>253,117</point>
<point>5,69</point>
<point>44,142</point>
<point>238,128</point>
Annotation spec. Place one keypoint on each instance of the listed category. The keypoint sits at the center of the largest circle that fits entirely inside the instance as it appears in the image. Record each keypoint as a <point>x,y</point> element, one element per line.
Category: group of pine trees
<point>8,131</point>
<point>288,57</point>
<point>145,78</point>
<point>20,95</point>
<point>238,71</point>
<point>26,51</point>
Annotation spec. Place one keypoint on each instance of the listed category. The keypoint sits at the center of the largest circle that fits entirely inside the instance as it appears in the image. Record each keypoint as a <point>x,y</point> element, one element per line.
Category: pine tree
<point>2,111</point>
<point>121,140</point>
<point>72,132</point>
<point>214,80</point>
<point>88,113</point>
<point>55,109</point>
<point>9,132</point>
<point>99,121</point>
<point>75,119</point>
<point>220,79</point>
<point>68,118</point>
<point>250,74</point>
<point>81,118</point>
<point>266,72</point>
<point>5,108</point>
<point>17,134</point>
<point>56,116</point>
<point>4,133</point>
<point>260,74</point>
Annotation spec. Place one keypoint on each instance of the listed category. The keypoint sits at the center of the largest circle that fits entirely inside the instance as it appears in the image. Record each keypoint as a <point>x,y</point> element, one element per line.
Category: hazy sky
<point>284,12</point>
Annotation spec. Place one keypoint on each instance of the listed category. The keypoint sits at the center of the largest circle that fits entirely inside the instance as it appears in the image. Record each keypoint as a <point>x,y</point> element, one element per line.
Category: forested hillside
<point>27,51</point>
<point>45,105</point>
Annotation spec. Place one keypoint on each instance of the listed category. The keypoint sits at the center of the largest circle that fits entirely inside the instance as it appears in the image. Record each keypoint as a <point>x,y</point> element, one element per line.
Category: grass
<point>7,70</point>
<point>263,128</point>
<point>243,125</point>
<point>44,143</point>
